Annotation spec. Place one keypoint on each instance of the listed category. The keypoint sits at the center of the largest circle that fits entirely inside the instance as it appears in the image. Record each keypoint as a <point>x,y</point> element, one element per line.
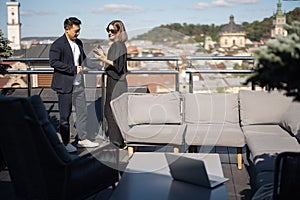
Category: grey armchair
<point>38,163</point>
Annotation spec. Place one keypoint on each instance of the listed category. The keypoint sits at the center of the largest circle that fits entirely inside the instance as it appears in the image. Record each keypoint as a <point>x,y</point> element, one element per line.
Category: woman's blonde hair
<point>121,31</point>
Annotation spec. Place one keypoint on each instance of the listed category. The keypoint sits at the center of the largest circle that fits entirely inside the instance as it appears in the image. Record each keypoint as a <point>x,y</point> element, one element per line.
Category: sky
<point>40,18</point>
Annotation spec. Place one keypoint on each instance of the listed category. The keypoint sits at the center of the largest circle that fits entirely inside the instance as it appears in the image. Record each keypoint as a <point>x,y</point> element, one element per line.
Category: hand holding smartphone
<point>99,54</point>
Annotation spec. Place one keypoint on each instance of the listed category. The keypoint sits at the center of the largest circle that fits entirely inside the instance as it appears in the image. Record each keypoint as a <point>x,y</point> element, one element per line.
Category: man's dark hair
<point>68,23</point>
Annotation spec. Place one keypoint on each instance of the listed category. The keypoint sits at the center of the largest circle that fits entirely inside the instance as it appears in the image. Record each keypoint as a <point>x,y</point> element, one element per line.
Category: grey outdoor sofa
<point>271,124</point>
<point>254,119</point>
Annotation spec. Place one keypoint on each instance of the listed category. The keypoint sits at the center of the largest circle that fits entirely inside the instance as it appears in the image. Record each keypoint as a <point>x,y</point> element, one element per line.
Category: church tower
<point>279,20</point>
<point>13,24</point>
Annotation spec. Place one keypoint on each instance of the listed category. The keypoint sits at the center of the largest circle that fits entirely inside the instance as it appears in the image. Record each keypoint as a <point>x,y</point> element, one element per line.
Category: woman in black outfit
<point>116,70</point>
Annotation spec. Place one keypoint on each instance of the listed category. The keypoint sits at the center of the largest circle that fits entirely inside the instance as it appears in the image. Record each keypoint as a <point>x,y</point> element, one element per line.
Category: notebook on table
<point>192,171</point>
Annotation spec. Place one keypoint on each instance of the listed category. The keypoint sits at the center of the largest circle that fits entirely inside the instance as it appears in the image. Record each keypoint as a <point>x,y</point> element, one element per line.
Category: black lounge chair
<point>287,176</point>
<point>286,182</point>
<point>38,163</point>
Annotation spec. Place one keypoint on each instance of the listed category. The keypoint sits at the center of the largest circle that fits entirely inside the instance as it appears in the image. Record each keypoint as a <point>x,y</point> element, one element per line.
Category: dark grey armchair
<point>38,163</point>
<point>286,181</point>
<point>287,176</point>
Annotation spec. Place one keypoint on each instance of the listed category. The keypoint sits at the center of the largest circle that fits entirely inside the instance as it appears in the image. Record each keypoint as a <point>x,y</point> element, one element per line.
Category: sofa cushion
<point>154,109</point>
<point>48,128</point>
<point>264,129</point>
<point>214,135</point>
<point>156,134</point>
<point>290,120</point>
<point>262,107</point>
<point>211,108</point>
<point>271,144</point>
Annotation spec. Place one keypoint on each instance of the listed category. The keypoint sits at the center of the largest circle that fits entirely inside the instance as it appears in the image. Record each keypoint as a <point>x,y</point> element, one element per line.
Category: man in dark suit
<point>67,58</point>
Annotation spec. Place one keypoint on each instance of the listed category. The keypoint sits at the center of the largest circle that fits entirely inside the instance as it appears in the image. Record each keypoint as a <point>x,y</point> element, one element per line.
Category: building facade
<point>13,24</point>
<point>232,35</point>
<point>279,20</point>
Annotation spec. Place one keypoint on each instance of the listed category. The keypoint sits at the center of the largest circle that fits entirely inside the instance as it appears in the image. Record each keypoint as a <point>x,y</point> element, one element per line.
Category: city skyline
<point>45,19</point>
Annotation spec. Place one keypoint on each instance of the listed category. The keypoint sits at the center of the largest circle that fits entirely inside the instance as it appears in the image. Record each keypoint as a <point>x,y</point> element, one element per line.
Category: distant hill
<point>39,38</point>
<point>54,38</point>
<point>255,31</point>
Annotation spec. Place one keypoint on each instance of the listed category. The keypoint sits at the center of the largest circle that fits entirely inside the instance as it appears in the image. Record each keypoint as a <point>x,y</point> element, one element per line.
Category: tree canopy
<point>277,63</point>
<point>5,52</point>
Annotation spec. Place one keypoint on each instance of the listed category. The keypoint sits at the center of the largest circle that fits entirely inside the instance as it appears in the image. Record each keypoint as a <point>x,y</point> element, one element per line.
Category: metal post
<point>103,91</point>
<point>191,88</point>
<point>252,86</point>
<point>177,77</point>
<point>29,81</point>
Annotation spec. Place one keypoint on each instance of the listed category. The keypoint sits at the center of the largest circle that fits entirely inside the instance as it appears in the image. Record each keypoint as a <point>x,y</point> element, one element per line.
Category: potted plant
<point>5,52</point>
<point>277,64</point>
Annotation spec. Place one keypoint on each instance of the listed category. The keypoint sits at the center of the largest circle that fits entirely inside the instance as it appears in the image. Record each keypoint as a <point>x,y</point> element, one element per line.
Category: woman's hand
<point>99,54</point>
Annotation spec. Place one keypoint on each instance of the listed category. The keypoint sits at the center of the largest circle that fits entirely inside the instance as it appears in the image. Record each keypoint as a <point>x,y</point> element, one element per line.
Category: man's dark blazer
<point>61,59</point>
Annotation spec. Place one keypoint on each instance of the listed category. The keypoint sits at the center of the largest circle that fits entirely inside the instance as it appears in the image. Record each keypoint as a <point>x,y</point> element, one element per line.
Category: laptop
<point>192,171</point>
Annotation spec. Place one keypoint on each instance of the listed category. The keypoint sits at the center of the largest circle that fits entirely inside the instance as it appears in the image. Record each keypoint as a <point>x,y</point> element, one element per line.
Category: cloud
<point>44,12</point>
<point>26,13</point>
<point>202,5</point>
<point>243,1</point>
<point>223,3</point>
<point>116,8</point>
<point>29,13</point>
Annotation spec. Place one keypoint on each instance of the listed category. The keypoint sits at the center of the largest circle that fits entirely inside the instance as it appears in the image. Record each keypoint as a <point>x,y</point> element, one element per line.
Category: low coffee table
<point>147,176</point>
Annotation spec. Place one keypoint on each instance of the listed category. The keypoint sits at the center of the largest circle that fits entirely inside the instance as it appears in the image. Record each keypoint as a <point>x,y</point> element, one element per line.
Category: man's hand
<point>79,69</point>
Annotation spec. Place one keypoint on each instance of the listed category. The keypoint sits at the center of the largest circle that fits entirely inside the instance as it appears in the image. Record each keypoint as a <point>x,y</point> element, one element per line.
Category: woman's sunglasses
<point>112,31</point>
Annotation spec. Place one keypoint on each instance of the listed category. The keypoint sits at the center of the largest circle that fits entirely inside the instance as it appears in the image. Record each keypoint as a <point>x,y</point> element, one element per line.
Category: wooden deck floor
<point>238,187</point>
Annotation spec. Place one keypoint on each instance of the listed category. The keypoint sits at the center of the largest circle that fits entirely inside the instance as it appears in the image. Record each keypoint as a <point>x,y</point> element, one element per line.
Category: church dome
<point>231,27</point>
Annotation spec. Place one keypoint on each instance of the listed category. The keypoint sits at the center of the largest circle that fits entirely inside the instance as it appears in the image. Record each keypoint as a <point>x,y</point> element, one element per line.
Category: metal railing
<point>189,59</point>
<point>29,70</point>
<point>191,72</point>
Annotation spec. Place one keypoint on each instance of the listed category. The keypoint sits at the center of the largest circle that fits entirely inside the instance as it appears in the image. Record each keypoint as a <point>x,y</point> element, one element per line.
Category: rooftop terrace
<point>238,186</point>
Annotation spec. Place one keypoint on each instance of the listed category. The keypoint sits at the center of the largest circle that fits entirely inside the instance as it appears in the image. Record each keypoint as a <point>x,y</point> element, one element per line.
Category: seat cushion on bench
<point>267,129</point>
<point>160,134</point>
<point>271,144</point>
<point>214,135</point>
<point>214,108</point>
